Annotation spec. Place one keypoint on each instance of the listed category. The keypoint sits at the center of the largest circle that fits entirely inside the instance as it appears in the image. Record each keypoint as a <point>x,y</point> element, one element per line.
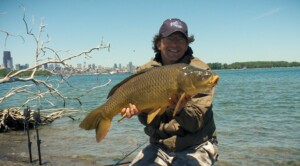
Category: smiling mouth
<point>173,51</point>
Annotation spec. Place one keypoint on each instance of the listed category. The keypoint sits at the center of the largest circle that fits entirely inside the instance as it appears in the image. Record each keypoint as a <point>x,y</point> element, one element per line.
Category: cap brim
<point>166,34</point>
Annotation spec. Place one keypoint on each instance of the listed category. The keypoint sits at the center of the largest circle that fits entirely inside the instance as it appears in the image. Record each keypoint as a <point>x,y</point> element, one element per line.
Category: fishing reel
<point>27,112</point>
<point>37,118</point>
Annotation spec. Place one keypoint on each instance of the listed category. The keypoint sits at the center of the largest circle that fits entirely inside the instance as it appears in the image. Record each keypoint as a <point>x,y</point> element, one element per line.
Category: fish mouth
<point>215,80</point>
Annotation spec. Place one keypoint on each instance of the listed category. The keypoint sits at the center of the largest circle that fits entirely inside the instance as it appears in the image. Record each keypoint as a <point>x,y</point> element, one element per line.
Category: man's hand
<point>170,142</point>
<point>130,111</point>
<point>171,128</point>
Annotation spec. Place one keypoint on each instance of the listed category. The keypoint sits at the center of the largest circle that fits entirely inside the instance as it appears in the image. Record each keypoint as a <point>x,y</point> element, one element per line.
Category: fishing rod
<point>37,122</point>
<point>128,154</point>
<point>26,121</point>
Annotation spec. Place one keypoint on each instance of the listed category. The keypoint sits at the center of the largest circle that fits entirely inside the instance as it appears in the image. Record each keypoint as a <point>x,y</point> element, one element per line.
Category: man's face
<point>173,47</point>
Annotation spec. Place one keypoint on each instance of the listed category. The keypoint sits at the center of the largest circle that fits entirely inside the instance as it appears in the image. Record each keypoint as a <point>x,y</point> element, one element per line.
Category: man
<point>189,138</point>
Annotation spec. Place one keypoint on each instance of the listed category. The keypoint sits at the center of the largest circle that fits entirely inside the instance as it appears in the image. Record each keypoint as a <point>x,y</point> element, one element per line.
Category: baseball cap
<point>172,25</point>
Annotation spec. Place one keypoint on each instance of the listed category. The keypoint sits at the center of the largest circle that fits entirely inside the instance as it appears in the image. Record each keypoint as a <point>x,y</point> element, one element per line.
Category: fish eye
<point>207,73</point>
<point>202,75</point>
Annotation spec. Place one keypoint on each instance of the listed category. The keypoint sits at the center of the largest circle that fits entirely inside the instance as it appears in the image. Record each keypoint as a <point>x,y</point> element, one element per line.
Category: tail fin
<point>94,120</point>
<point>91,120</point>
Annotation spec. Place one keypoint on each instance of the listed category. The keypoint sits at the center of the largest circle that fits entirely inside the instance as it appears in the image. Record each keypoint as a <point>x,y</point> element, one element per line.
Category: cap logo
<point>176,24</point>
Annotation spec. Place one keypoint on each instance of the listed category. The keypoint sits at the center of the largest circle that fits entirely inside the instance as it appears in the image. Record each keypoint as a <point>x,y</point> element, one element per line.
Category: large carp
<point>150,92</point>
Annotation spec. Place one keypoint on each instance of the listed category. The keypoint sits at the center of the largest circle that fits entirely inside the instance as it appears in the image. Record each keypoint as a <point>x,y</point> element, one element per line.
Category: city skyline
<point>8,64</point>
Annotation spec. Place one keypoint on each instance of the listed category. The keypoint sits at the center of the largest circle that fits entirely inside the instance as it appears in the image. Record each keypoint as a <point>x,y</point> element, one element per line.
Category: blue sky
<point>226,31</point>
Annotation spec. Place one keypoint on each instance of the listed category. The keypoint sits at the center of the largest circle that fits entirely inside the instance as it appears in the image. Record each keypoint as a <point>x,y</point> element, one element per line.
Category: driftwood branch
<point>7,35</point>
<point>35,87</point>
<point>13,118</point>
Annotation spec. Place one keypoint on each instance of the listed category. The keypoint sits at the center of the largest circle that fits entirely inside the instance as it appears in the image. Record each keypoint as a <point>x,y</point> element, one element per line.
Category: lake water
<point>257,114</point>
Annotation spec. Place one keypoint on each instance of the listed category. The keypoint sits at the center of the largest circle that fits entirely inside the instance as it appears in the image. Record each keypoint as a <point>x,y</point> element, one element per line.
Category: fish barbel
<point>150,92</point>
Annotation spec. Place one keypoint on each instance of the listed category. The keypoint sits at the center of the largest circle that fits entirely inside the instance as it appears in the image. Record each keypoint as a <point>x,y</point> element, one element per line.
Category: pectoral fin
<point>152,115</point>
<point>178,104</point>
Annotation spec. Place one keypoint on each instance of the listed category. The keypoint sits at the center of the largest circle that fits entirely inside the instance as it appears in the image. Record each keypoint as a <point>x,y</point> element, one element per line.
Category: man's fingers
<point>123,111</point>
<point>130,111</point>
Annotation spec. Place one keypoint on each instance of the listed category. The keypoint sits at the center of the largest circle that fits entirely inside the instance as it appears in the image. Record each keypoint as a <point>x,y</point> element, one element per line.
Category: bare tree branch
<point>14,91</point>
<point>36,87</point>
<point>7,34</point>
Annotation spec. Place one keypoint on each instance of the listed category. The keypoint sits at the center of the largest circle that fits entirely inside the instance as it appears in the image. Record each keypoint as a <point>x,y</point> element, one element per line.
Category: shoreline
<point>14,151</point>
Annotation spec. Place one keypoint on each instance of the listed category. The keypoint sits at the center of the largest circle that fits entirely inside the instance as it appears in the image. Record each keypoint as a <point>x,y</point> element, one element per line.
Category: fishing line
<point>128,154</point>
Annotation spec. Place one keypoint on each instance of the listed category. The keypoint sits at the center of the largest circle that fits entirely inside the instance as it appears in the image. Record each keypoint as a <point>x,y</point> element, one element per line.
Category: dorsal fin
<point>112,91</point>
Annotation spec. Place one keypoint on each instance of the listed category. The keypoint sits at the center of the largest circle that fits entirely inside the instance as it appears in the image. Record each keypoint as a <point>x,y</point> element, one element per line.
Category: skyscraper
<point>7,60</point>
<point>130,67</point>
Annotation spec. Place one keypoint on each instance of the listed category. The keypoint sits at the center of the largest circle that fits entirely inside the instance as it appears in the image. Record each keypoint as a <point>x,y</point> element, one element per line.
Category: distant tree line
<point>4,72</point>
<point>254,64</point>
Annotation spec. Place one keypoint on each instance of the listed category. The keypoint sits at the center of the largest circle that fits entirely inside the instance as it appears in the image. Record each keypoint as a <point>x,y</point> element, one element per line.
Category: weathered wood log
<point>13,119</point>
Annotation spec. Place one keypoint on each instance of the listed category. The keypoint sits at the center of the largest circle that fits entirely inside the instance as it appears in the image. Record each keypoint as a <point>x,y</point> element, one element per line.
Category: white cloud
<point>269,13</point>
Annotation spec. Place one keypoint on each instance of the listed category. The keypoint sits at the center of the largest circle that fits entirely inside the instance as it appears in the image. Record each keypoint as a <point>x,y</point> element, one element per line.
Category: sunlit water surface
<point>257,113</point>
